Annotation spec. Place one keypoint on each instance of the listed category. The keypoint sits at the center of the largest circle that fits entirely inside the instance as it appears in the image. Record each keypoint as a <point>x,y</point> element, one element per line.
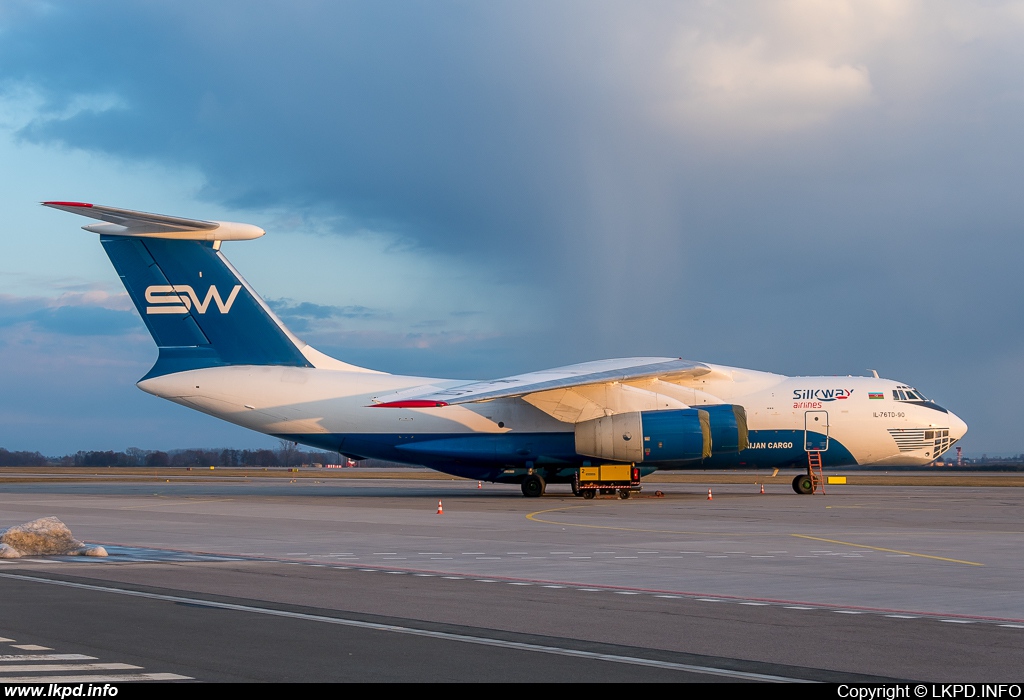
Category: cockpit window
<point>912,395</point>
<point>906,393</point>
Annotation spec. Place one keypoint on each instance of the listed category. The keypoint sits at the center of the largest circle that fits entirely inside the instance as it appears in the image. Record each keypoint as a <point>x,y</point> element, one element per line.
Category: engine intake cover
<point>728,428</point>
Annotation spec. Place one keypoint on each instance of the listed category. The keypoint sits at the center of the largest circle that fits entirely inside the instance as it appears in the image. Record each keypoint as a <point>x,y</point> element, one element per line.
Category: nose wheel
<point>802,484</point>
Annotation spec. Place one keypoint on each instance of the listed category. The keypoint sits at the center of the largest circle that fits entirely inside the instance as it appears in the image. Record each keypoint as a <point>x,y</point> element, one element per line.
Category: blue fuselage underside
<point>508,457</point>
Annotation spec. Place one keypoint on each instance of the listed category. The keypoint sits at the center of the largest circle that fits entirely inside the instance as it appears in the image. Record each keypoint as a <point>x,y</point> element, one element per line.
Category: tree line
<point>288,455</point>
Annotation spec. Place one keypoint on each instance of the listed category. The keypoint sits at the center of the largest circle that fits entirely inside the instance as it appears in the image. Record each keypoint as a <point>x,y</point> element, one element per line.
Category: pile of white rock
<point>41,537</point>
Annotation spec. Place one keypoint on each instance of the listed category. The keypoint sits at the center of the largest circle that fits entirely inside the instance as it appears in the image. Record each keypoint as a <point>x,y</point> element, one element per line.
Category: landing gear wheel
<point>802,484</point>
<point>588,494</point>
<point>623,494</point>
<point>533,486</point>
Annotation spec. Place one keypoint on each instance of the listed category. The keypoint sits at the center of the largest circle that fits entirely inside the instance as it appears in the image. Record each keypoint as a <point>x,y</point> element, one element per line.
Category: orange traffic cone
<point>440,510</point>
<point>762,489</point>
<point>709,495</point>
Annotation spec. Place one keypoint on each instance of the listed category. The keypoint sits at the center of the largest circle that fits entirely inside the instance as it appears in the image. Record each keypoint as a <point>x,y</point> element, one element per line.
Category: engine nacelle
<point>728,428</point>
<point>677,435</point>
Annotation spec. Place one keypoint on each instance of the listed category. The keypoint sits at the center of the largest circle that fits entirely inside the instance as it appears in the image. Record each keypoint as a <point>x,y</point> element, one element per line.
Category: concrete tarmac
<point>917,583</point>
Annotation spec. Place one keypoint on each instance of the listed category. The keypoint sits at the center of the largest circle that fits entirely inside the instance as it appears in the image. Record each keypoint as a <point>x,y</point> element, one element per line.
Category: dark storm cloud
<point>743,187</point>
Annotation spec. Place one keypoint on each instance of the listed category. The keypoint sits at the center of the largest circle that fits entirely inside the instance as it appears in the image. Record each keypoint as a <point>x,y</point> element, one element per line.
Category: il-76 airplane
<point>222,351</point>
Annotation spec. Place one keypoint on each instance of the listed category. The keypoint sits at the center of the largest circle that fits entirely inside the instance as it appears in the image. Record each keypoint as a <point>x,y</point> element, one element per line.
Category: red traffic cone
<point>440,509</point>
<point>762,489</point>
<point>479,484</point>
<point>709,495</point>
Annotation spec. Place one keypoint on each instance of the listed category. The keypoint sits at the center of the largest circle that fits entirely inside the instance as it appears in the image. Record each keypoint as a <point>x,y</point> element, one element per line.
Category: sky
<point>472,190</point>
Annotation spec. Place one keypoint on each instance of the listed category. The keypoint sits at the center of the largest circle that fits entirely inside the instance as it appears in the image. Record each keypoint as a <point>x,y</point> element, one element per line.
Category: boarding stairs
<point>814,471</point>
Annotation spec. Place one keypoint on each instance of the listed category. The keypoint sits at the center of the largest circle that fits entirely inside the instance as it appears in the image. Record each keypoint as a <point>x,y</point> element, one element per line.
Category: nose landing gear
<point>802,484</point>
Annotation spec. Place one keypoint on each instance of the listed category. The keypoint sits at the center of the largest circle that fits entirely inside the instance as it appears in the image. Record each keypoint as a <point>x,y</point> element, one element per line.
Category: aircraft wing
<point>571,376</point>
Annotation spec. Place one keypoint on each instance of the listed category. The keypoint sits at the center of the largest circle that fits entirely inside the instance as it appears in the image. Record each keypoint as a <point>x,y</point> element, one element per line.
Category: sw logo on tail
<point>179,298</point>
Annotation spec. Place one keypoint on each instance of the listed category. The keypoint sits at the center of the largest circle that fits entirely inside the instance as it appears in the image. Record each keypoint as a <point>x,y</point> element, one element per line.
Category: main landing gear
<point>533,486</point>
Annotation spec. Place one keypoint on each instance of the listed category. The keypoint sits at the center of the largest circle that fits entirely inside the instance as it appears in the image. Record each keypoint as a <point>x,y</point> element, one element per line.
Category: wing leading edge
<point>570,376</point>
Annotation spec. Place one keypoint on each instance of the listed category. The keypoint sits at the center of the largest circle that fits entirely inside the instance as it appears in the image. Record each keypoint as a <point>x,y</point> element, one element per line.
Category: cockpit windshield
<point>912,395</point>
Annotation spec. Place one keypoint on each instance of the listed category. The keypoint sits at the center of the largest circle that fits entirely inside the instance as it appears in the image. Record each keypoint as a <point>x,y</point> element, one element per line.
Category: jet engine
<point>647,436</point>
<point>728,428</point>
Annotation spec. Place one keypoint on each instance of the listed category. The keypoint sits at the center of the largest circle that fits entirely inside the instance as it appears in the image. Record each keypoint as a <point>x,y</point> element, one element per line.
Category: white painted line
<point>66,667</point>
<point>627,592</point>
<point>5,640</point>
<point>45,657</point>
<point>551,586</point>
<point>752,603</point>
<point>488,558</point>
<point>1017,627</point>
<point>673,597</point>
<point>711,600</point>
<point>798,607</point>
<point>394,572</point>
<point>453,578</point>
<point>903,617</point>
<point>31,647</point>
<point>847,612</point>
<point>425,575</point>
<point>591,590</point>
<point>381,553</point>
<point>627,557</point>
<point>485,580</point>
<point>516,552</point>
<point>959,622</point>
<point>469,553</point>
<point>448,636</point>
<point>429,553</point>
<point>716,556</point>
<point>99,679</point>
<point>519,583</point>
<point>579,557</point>
<point>367,570</point>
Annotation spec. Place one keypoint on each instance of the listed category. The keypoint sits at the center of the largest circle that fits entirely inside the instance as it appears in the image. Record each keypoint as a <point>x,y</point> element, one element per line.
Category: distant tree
<point>21,459</point>
<point>157,459</point>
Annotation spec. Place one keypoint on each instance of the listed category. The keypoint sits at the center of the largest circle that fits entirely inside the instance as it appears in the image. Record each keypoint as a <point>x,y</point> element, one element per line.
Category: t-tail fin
<point>199,310</point>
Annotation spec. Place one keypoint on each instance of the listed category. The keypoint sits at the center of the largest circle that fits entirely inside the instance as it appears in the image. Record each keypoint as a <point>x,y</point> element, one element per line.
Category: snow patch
<point>43,536</point>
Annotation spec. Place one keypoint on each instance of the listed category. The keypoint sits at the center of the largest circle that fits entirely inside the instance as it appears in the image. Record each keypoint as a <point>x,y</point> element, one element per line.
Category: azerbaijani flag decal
<point>876,395</point>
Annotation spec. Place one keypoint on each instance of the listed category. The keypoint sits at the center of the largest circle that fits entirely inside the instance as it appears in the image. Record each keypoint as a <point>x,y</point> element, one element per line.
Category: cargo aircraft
<point>223,351</point>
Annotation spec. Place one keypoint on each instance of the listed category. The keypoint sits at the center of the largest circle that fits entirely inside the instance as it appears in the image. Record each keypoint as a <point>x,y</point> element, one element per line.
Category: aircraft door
<point>816,431</point>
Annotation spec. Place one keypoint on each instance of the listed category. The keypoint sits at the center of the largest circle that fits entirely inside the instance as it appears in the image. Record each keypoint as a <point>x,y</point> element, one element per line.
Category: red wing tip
<point>415,403</point>
<point>67,204</point>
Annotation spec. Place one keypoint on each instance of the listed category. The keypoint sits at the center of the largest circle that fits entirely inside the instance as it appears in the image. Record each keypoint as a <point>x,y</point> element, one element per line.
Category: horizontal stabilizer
<point>140,224</point>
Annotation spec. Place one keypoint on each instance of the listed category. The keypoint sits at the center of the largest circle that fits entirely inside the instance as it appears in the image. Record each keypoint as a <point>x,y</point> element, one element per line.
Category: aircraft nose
<point>957,428</point>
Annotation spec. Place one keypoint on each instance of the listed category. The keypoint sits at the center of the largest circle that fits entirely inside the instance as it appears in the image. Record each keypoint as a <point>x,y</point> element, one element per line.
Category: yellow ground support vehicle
<point>607,479</point>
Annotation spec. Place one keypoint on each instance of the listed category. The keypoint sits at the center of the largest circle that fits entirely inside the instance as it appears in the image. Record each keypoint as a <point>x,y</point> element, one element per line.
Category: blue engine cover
<point>675,436</point>
<point>728,428</point>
